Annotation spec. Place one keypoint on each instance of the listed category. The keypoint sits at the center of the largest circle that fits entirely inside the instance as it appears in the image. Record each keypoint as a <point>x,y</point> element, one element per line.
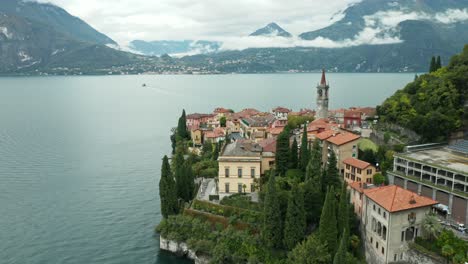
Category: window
<point>347,166</point>
<point>401,255</point>
<point>383,251</point>
<point>226,187</point>
<point>379,210</point>
<point>379,229</point>
<point>369,171</point>
<point>385,215</point>
<point>377,245</point>
<point>359,171</point>
<point>402,235</point>
<point>226,172</point>
<point>354,155</point>
<point>358,179</point>
<point>239,187</point>
<point>252,172</point>
<point>371,240</point>
<point>395,257</point>
<point>374,207</point>
<point>384,232</point>
<point>239,172</point>
<point>369,180</point>
<point>252,187</point>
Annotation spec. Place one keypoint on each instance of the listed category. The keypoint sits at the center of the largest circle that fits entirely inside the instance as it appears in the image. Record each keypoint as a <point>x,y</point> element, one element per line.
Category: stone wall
<point>181,249</point>
<point>413,256</point>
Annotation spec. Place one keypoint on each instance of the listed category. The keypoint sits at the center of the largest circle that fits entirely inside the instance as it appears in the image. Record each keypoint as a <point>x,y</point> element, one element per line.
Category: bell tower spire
<point>322,98</point>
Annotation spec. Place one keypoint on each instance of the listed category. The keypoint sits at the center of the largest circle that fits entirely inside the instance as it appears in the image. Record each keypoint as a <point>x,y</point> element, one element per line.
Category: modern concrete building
<point>390,218</point>
<point>239,167</point>
<point>438,172</point>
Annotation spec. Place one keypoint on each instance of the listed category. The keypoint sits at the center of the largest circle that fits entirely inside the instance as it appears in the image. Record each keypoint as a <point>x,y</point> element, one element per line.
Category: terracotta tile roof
<point>217,132</point>
<point>280,109</point>
<point>245,113</point>
<point>199,116</point>
<point>394,198</point>
<point>360,164</point>
<point>352,114</point>
<point>357,186</point>
<point>343,138</point>
<point>221,110</point>
<point>268,145</point>
<point>326,134</point>
<point>275,130</point>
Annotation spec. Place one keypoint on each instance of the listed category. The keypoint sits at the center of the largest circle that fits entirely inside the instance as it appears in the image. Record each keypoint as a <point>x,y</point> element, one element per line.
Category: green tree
<point>167,190</point>
<point>378,179</point>
<point>295,223</point>
<point>189,181</point>
<point>313,169</point>
<point>332,175</point>
<point>433,66</point>
<point>447,252</point>
<point>293,155</point>
<point>438,63</point>
<point>282,152</point>
<point>313,200</point>
<point>431,226</point>
<point>368,155</point>
<point>207,150</point>
<point>182,131</point>
<point>272,231</point>
<point>340,255</point>
<point>216,151</point>
<point>222,121</point>
<point>328,231</point>
<point>305,152</point>
<point>310,251</point>
<point>343,209</point>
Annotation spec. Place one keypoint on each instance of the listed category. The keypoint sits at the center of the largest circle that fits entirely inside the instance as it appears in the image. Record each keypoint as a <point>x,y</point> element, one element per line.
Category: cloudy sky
<point>126,20</point>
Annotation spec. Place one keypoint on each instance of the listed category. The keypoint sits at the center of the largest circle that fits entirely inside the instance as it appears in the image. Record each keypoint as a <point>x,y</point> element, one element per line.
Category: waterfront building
<point>438,172</point>
<point>356,170</point>
<point>352,118</point>
<point>239,167</point>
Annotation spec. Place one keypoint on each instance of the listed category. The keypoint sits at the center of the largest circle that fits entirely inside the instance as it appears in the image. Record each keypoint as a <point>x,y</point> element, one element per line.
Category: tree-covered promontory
<point>433,104</point>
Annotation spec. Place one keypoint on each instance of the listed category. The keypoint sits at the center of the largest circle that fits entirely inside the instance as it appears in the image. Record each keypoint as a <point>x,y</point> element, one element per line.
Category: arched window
<point>384,233</point>
<point>374,225</point>
<point>379,229</point>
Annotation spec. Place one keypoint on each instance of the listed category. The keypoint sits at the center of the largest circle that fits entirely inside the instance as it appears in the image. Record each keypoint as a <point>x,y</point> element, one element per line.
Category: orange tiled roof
<point>276,130</point>
<point>352,114</point>
<point>394,198</point>
<point>326,134</point>
<point>268,145</point>
<point>343,138</point>
<point>280,109</point>
<point>360,164</point>
<point>357,186</point>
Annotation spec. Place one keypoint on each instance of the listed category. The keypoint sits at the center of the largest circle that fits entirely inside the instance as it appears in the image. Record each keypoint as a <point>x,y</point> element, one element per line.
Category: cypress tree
<point>272,231</point>
<point>328,231</point>
<point>313,168</point>
<point>182,131</point>
<point>282,152</point>
<point>179,172</point>
<point>189,181</point>
<point>167,190</point>
<point>343,211</point>
<point>305,153</point>
<point>432,66</point>
<point>293,155</point>
<point>216,151</point>
<point>340,256</point>
<point>295,223</point>
<point>332,175</point>
<point>438,63</point>
<point>313,200</point>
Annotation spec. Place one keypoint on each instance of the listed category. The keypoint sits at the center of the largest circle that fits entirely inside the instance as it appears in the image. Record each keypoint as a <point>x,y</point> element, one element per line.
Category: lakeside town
<point>401,196</point>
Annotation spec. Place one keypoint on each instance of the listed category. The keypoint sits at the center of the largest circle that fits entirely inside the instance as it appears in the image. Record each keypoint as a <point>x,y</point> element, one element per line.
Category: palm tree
<point>431,226</point>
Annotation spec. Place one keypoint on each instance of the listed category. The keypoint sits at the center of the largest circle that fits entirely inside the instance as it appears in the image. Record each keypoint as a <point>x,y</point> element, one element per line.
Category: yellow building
<point>197,136</point>
<point>343,144</point>
<point>239,167</point>
<point>358,170</point>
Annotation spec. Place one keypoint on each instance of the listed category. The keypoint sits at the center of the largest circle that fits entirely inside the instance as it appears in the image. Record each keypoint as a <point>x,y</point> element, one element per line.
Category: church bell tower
<point>322,98</point>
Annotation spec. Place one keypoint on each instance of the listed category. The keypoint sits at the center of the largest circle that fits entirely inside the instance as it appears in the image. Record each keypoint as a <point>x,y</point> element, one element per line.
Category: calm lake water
<point>80,156</point>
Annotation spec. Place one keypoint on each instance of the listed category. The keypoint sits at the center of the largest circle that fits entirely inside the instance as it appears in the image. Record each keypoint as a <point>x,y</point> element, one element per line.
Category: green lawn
<point>366,143</point>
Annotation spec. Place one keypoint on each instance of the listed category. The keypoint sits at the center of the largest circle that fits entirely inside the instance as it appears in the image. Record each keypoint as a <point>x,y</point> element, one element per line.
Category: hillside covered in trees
<point>433,104</point>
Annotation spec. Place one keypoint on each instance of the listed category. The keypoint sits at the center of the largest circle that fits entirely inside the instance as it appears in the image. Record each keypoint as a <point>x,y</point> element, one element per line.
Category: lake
<point>80,156</point>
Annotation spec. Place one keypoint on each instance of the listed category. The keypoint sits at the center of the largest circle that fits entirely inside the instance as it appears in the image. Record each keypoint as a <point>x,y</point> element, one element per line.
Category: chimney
<point>412,200</point>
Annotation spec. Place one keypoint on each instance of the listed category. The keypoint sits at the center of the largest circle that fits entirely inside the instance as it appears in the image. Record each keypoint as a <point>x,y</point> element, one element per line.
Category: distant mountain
<point>55,17</point>
<point>271,30</point>
<point>27,45</point>
<point>372,36</point>
<point>42,37</point>
<point>160,47</point>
